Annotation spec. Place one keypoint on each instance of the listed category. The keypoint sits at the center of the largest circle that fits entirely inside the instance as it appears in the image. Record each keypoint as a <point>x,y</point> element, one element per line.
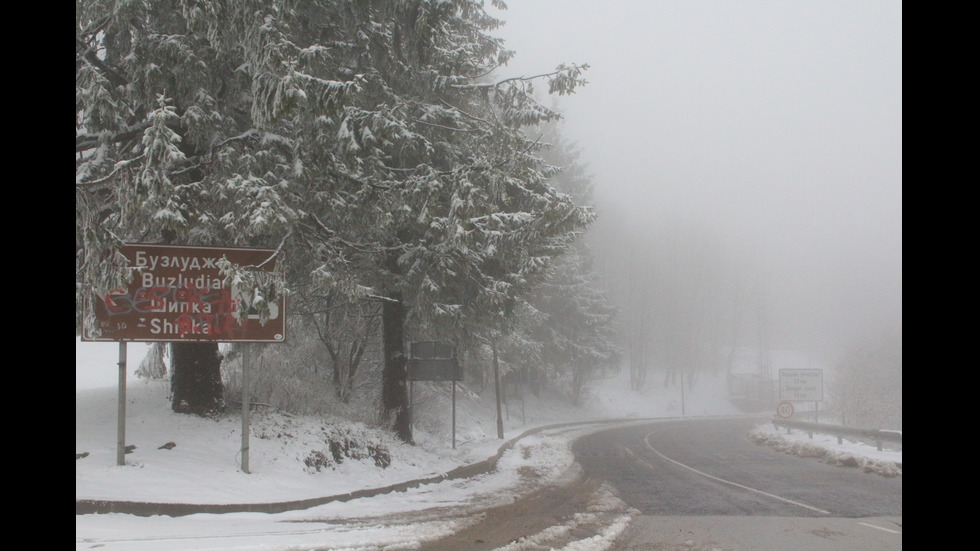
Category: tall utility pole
<point>496,384</point>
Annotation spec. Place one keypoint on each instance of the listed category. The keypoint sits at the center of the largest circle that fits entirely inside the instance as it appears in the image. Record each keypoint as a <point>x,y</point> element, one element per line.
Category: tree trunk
<point>353,362</point>
<point>394,389</point>
<point>195,381</point>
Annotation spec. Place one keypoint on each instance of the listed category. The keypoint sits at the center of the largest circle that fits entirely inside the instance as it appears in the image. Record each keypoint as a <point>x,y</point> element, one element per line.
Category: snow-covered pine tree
<point>362,137</point>
<point>153,366</point>
<point>576,333</point>
<point>196,123</point>
<point>574,327</point>
<point>867,381</point>
<point>462,218</point>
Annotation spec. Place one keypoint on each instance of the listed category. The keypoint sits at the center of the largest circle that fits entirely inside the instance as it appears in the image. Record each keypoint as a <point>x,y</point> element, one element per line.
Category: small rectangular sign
<point>432,361</point>
<point>434,370</point>
<point>801,385</point>
<point>431,350</point>
<point>179,294</point>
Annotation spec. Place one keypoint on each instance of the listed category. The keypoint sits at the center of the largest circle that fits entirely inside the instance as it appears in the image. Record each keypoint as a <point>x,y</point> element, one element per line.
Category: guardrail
<point>878,435</point>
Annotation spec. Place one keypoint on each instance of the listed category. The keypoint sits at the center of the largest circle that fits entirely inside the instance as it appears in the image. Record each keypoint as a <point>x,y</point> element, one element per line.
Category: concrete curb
<point>146,509</point>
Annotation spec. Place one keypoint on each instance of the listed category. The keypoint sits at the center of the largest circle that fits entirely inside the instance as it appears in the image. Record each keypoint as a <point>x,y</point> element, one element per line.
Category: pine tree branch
<point>360,182</point>
<point>489,85</point>
<point>332,234</point>
<point>464,113</point>
<point>84,142</point>
<point>468,130</point>
<point>110,74</point>
<point>119,166</point>
<point>278,251</point>
<point>249,134</point>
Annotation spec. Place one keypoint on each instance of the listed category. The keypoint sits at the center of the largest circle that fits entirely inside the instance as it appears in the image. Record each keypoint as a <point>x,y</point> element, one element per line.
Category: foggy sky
<point>776,124</point>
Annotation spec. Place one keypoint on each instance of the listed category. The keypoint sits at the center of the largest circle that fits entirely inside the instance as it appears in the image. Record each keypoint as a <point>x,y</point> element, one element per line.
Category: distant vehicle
<point>751,392</point>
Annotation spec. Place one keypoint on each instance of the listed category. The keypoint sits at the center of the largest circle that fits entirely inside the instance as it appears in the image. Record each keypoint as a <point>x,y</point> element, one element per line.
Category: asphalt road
<point>710,467</point>
<point>697,485</point>
<point>702,484</point>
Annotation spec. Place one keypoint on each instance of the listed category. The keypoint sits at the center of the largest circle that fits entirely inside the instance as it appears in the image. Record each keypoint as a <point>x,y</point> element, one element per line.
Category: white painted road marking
<point>880,528</point>
<point>737,485</point>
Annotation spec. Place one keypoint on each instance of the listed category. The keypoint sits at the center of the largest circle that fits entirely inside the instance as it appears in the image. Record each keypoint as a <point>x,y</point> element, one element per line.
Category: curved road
<point>703,484</point>
<point>699,485</point>
<point>709,467</point>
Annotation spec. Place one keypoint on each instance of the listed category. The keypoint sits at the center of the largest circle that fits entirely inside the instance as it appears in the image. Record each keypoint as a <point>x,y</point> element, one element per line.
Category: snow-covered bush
<point>348,442</point>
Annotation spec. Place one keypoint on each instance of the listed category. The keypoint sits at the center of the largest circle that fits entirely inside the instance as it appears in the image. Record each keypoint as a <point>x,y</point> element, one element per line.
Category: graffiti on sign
<point>179,294</point>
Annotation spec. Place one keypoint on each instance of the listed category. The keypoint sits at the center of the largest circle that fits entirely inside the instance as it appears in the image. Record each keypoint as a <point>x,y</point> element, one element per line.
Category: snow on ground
<point>203,466</point>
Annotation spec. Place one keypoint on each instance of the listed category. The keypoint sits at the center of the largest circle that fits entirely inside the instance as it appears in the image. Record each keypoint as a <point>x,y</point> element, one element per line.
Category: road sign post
<point>179,294</point>
<point>801,385</point>
<point>434,361</point>
<point>121,408</point>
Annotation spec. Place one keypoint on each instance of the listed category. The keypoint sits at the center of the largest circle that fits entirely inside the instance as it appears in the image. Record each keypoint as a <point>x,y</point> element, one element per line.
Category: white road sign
<point>801,385</point>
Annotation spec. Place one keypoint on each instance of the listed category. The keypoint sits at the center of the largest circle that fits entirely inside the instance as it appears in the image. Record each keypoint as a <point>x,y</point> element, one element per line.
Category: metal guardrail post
<point>879,436</point>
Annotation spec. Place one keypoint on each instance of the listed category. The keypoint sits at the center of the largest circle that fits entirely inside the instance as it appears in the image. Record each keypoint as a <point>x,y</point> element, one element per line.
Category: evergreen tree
<point>152,366</point>
<point>867,384</point>
<point>459,209</point>
<point>362,137</point>
<point>574,327</point>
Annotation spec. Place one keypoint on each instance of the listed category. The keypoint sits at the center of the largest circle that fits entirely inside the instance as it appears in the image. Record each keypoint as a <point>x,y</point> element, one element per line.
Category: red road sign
<point>179,294</point>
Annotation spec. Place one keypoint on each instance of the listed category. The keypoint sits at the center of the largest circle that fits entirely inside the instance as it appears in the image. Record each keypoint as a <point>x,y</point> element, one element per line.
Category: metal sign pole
<point>523,379</point>
<point>121,422</point>
<point>682,392</point>
<point>496,384</point>
<point>434,361</point>
<point>454,414</point>
<point>245,407</point>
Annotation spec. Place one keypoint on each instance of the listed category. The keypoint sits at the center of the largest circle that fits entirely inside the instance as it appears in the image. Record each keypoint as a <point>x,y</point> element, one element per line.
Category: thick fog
<point>769,132</point>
